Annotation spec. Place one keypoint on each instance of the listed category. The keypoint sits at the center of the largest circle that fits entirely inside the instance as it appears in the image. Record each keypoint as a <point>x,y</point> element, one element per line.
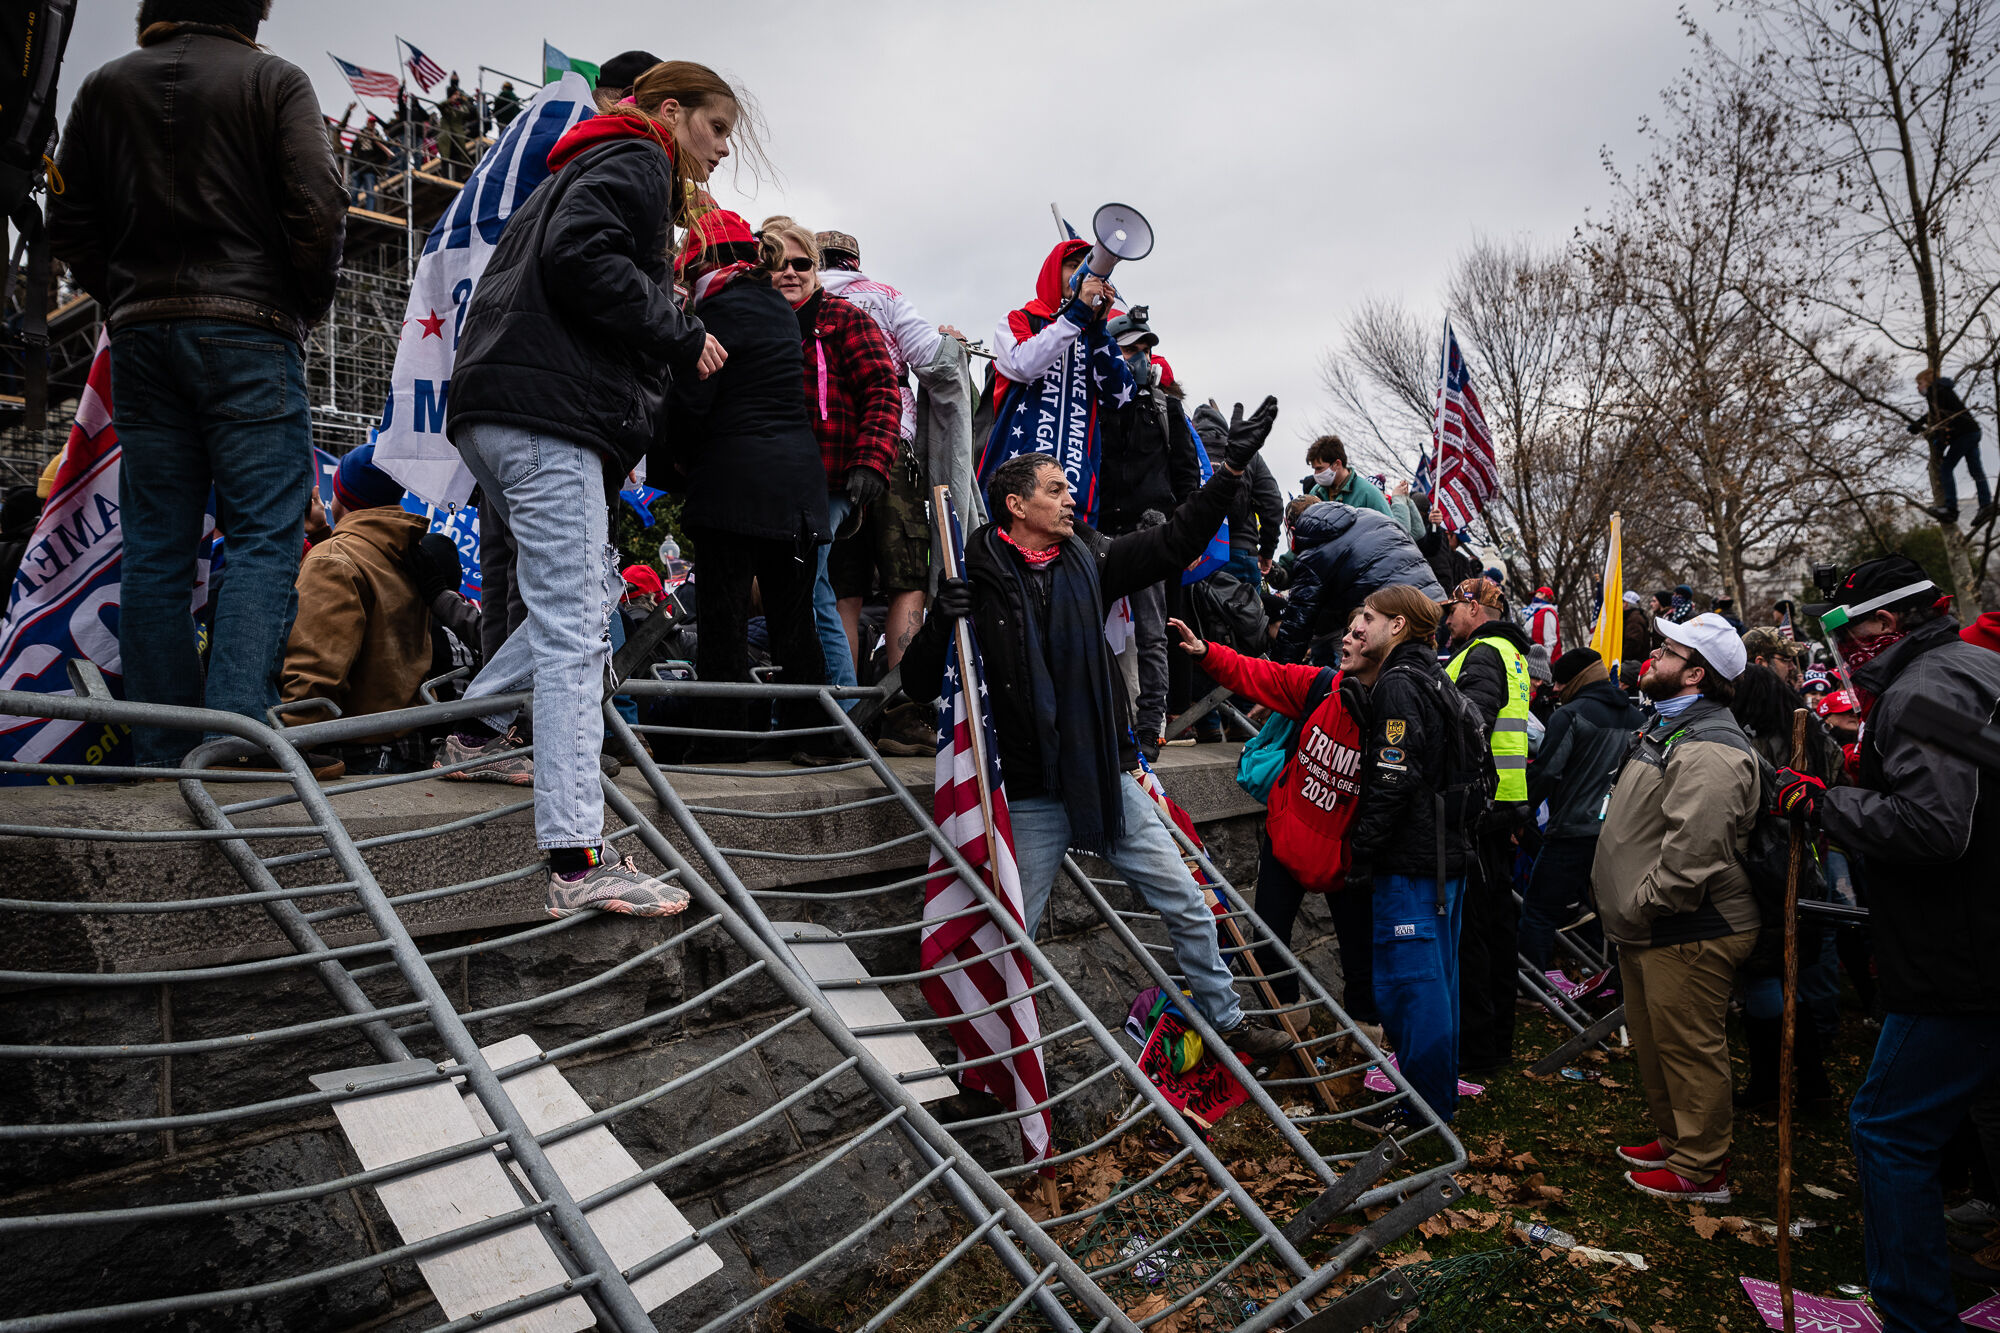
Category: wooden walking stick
<point>1791,991</point>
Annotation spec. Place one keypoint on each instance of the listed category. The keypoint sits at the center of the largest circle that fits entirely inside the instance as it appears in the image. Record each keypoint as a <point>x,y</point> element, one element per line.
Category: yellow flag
<point>1609,636</point>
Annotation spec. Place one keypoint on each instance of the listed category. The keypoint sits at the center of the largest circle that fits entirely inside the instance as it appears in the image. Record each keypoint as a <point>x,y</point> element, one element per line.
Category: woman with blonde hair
<point>565,356</point>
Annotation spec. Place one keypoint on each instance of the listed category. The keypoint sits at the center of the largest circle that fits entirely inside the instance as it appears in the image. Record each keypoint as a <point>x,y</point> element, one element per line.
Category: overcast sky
<point>1293,158</point>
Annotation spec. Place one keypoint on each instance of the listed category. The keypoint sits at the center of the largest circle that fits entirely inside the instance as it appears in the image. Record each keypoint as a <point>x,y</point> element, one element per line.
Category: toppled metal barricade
<point>1110,1117</point>
<point>779,1154</point>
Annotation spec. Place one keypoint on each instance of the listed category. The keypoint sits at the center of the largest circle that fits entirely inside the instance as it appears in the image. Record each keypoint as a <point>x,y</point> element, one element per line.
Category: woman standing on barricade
<point>740,450</point>
<point>565,356</point>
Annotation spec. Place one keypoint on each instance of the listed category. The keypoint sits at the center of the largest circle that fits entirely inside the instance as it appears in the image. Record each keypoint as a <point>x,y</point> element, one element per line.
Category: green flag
<point>555,64</point>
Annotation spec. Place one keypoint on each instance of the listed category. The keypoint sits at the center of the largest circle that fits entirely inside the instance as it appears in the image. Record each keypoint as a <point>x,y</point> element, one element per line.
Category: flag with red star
<point>410,443</point>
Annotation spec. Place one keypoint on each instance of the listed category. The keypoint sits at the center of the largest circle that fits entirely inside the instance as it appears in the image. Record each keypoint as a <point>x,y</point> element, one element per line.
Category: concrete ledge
<point>76,869</point>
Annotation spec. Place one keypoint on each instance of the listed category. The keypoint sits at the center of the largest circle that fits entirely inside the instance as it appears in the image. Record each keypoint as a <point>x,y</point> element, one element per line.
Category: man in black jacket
<point>1954,437</point>
<point>1036,589</point>
<point>1580,756</point>
<point>201,207</point>
<point>1490,665</point>
<point>1149,467</point>
<point>1340,555</point>
<point>1926,823</point>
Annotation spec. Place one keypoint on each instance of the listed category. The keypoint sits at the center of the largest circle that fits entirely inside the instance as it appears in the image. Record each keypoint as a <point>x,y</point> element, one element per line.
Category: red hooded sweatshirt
<point>588,134</point>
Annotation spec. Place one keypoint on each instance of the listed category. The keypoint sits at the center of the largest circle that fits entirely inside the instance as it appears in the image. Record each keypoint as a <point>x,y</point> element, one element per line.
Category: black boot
<point>1761,1093</point>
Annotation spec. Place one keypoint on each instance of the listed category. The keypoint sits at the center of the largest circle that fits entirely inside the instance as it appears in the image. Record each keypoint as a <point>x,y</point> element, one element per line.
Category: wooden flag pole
<point>1307,1065</point>
<point>1791,990</point>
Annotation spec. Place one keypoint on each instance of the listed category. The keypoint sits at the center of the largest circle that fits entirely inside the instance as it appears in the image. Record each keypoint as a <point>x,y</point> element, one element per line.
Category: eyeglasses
<point>798,264</point>
<point>1668,650</point>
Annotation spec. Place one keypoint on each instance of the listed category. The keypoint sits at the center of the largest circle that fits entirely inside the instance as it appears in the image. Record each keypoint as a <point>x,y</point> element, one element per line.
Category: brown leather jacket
<point>362,637</point>
<point>198,184</point>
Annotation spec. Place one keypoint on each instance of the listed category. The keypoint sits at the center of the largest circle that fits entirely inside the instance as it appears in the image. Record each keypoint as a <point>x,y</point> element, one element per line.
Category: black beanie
<point>1571,664</point>
<point>623,70</point>
<point>242,15</point>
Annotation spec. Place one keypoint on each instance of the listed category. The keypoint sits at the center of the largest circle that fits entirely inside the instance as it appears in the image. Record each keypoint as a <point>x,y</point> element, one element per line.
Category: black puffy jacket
<point>198,184</point>
<point>574,329</point>
<point>1341,554</point>
<point>1580,758</point>
<point>1926,824</point>
<point>739,445</point>
<point>1124,565</point>
<point>1403,760</point>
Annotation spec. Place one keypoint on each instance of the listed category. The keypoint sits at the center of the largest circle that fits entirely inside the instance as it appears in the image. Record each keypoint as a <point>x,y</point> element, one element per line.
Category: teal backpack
<point>1266,754</point>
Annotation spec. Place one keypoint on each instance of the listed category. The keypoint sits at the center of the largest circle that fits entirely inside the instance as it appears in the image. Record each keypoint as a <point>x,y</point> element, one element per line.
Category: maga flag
<point>410,443</point>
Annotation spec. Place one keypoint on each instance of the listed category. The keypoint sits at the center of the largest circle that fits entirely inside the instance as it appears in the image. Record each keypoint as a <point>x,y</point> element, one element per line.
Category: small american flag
<point>958,930</point>
<point>422,68</point>
<point>366,82</point>
<point>1467,472</point>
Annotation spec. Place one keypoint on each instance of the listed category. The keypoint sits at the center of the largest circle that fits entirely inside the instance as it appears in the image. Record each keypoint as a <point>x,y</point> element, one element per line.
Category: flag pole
<point>962,635</point>
<point>1788,1023</point>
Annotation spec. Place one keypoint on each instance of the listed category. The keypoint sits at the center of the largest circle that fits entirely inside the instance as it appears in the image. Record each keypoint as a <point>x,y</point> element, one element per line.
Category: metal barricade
<point>1105,1101</point>
<point>525,1133</point>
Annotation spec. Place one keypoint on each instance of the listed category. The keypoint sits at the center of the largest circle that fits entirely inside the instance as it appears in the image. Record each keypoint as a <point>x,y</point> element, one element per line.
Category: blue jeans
<point>1150,862</point>
<point>1927,1071</point>
<point>203,404</point>
<point>1559,885</point>
<point>361,187</point>
<point>1949,455</point>
<point>833,643</point>
<point>1416,982</point>
<point>551,492</point>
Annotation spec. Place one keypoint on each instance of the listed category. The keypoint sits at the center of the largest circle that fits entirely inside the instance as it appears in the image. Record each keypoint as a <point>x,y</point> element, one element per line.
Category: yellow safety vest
<point>1510,733</point>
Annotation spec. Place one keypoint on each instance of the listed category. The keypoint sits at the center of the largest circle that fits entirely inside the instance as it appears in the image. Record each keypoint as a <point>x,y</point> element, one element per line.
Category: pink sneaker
<point>1377,1081</point>
<point>1666,1183</point>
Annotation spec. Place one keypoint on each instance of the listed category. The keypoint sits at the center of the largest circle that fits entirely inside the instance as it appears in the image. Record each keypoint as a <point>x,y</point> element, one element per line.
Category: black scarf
<point>808,312</point>
<point>1074,717</point>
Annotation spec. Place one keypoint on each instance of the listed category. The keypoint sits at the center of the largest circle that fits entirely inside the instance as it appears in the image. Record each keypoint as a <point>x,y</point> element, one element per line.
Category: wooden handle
<point>1791,994</point>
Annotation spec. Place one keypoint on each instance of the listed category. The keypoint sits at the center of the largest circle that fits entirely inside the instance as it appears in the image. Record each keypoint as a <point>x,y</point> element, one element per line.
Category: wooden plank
<point>864,1006</point>
<point>638,1223</point>
<point>395,1126</point>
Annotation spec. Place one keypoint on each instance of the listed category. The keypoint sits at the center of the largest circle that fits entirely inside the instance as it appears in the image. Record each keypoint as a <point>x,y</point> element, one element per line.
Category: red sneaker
<point>1668,1184</point>
<point>1645,1158</point>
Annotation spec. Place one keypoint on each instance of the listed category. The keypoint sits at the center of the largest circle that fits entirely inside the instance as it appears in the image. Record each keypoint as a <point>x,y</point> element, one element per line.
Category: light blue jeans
<point>833,645</point>
<point>551,493</point>
<point>1150,862</point>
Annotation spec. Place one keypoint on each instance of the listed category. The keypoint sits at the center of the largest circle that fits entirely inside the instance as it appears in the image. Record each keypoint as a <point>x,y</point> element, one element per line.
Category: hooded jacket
<point>1257,519</point>
<point>1124,565</point>
<point>1926,824</point>
<point>1580,757</point>
<point>1148,457</point>
<point>574,329</point>
<point>1055,372</point>
<point>1341,555</point>
<point>1667,869</point>
<point>198,184</point>
<point>913,340</point>
<point>362,637</point>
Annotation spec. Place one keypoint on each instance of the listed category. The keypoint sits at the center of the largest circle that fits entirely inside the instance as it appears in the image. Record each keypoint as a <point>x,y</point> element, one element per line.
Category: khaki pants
<point>1676,1005</point>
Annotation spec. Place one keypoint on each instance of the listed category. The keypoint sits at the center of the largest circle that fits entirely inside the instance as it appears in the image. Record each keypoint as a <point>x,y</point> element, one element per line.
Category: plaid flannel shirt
<point>851,391</point>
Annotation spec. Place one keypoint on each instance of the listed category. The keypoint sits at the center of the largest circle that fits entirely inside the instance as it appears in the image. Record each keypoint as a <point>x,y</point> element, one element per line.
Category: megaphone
<point>1122,233</point>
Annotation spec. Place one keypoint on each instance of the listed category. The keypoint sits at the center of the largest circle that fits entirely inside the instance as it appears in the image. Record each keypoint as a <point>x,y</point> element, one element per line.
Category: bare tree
<point>1383,381</point>
<point>1893,104</point>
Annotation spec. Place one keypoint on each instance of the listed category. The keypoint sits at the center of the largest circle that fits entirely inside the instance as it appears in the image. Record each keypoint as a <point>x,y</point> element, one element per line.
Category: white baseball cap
<point>1713,637</point>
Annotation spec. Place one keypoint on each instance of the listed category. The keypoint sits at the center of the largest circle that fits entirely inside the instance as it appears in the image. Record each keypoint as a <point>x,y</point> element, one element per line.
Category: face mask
<point>1326,476</point>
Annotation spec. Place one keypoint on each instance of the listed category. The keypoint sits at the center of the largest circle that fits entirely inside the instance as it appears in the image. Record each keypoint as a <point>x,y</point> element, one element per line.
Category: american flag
<point>958,930</point>
<point>422,68</point>
<point>366,82</point>
<point>1468,473</point>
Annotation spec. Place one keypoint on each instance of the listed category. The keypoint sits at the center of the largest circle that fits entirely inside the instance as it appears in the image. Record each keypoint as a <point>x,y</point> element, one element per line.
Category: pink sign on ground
<point>1986,1314</point>
<point>1812,1314</point>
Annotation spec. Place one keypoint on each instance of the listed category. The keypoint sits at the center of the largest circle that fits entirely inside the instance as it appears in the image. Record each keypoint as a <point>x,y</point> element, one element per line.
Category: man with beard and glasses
<point>1925,823</point>
<point>1673,897</point>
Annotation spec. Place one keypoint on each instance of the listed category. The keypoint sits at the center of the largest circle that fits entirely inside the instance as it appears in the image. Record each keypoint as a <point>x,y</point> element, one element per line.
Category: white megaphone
<point>1122,233</point>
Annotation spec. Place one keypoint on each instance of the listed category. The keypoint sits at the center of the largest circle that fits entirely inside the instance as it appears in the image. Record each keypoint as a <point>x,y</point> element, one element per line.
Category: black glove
<point>953,601</point>
<point>433,564</point>
<point>864,487</point>
<point>1247,434</point>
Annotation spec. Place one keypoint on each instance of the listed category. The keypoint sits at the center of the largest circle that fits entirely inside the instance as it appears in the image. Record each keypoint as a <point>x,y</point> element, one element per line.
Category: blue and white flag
<point>410,443</point>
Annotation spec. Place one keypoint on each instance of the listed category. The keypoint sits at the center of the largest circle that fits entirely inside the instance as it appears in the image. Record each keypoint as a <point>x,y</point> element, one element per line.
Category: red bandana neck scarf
<point>1035,559</point>
<point>1856,653</point>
